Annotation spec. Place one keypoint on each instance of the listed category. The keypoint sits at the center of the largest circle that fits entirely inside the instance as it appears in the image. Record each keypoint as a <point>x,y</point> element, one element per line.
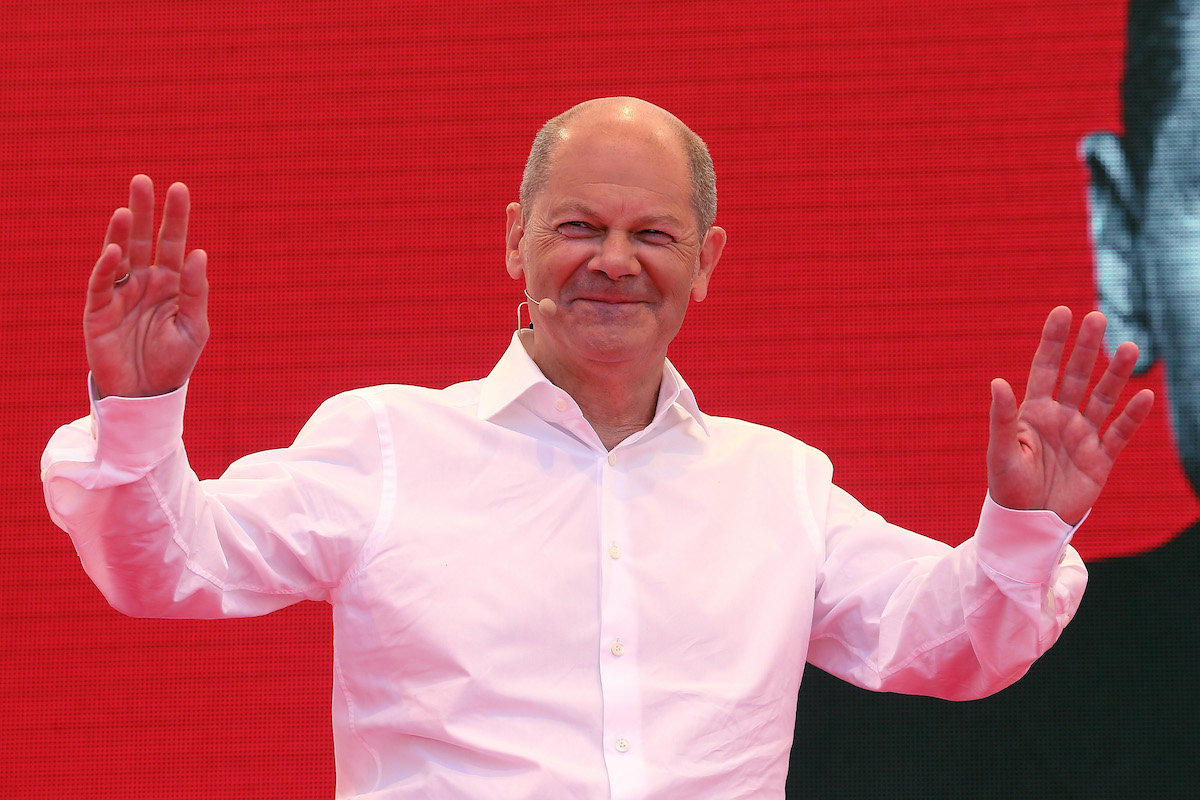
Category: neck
<point>617,399</point>
<point>615,409</point>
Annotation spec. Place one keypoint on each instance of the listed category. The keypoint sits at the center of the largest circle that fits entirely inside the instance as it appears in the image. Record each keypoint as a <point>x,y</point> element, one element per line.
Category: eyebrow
<point>583,209</point>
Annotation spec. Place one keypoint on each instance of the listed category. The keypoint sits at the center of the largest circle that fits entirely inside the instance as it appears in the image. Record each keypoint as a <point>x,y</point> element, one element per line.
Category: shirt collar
<point>516,377</point>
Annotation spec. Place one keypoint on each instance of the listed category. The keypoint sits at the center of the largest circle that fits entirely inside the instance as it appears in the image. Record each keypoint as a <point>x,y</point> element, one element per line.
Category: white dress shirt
<point>520,613</point>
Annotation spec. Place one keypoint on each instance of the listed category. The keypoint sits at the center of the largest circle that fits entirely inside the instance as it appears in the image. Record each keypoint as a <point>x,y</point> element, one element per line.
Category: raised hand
<point>146,319</point>
<point>1051,452</point>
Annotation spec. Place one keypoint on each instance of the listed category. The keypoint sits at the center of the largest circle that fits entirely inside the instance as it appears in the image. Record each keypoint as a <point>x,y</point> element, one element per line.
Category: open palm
<point>1053,452</point>
<point>145,320</point>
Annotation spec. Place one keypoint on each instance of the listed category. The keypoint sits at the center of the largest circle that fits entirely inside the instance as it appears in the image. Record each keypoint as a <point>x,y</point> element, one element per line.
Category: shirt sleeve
<point>278,527</point>
<point>899,612</point>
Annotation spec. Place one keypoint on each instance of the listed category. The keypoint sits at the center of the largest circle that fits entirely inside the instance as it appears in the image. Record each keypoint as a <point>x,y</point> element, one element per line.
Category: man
<point>1144,209</point>
<point>564,580</point>
<point>1114,709</point>
<point>1143,621</point>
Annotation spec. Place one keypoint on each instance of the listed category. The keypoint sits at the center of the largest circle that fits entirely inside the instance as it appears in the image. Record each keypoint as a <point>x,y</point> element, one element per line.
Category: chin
<point>618,348</point>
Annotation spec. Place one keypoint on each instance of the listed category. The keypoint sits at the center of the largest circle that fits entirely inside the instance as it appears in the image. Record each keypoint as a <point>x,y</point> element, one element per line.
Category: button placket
<point>619,676</point>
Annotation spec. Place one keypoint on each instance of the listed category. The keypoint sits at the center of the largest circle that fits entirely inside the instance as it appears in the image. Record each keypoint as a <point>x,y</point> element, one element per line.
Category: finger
<point>1111,384</point>
<point>118,230</point>
<point>193,295</point>
<point>1043,373</point>
<point>141,232</point>
<point>100,283</point>
<point>1127,422</point>
<point>172,235</point>
<point>1078,372</point>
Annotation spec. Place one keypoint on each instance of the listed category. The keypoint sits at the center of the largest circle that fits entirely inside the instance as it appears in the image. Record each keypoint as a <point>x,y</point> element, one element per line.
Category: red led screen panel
<point>900,182</point>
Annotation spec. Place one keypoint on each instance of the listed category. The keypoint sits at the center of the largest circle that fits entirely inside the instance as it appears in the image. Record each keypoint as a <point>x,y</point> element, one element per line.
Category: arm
<point>277,528</point>
<point>897,612</point>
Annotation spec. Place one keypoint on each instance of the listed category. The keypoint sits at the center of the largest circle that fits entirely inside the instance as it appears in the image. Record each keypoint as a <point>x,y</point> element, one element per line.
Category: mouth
<point>607,308</point>
<point>613,301</point>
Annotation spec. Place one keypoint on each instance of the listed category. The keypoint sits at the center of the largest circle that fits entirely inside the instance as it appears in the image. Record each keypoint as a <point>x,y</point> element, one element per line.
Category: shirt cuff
<point>1026,546</point>
<point>137,431</point>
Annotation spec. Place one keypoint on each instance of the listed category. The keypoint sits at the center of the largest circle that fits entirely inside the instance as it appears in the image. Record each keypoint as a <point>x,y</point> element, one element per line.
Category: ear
<point>1112,218</point>
<point>514,260</point>
<point>710,254</point>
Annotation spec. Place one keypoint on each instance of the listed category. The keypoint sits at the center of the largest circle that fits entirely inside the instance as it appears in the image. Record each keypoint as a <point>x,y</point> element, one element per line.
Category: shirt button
<point>614,552</point>
<point>612,459</point>
<point>622,745</point>
<point>618,649</point>
<point>560,405</point>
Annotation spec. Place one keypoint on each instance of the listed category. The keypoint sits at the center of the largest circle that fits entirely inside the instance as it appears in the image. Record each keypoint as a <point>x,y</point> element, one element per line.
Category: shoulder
<point>394,408</point>
<point>399,396</point>
<point>373,405</point>
<point>383,416</point>
<point>743,435</point>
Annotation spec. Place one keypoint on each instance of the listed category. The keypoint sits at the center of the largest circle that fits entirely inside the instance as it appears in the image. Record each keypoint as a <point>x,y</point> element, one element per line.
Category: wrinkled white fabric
<point>519,613</point>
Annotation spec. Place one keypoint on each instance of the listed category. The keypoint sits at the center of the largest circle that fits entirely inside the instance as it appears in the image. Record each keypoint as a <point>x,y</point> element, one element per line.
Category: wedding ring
<point>121,279</point>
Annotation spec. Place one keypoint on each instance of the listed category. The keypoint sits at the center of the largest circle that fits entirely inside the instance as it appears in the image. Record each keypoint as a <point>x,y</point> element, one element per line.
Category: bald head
<point>625,117</point>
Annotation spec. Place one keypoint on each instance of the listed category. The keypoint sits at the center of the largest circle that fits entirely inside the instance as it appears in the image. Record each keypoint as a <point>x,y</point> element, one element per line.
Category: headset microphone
<point>546,306</point>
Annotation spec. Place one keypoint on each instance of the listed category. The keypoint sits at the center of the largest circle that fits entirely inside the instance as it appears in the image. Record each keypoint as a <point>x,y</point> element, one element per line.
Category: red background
<point>900,183</point>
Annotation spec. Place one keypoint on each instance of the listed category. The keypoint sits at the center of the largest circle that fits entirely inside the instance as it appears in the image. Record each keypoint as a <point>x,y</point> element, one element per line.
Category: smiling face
<point>613,239</point>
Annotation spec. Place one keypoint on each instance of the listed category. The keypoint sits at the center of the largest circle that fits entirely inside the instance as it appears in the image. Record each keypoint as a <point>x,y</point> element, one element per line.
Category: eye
<point>576,230</point>
<point>656,237</point>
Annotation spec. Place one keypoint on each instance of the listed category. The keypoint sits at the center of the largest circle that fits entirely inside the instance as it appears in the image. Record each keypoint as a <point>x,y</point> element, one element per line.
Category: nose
<point>616,258</point>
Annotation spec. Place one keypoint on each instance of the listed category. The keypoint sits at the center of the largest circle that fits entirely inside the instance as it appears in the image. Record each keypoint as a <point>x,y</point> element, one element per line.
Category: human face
<point>612,238</point>
<point>1167,248</point>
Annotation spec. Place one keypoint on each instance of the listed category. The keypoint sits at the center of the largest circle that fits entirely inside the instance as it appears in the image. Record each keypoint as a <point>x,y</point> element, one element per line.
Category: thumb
<point>1004,404</point>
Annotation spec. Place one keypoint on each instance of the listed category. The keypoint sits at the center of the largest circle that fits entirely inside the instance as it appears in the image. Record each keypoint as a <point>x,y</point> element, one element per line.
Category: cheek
<point>1169,253</point>
<point>556,256</point>
<point>1170,256</point>
<point>1176,310</point>
<point>672,271</point>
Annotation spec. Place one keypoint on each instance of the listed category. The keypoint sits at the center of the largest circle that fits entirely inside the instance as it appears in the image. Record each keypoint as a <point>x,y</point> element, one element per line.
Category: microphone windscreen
<point>548,307</point>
